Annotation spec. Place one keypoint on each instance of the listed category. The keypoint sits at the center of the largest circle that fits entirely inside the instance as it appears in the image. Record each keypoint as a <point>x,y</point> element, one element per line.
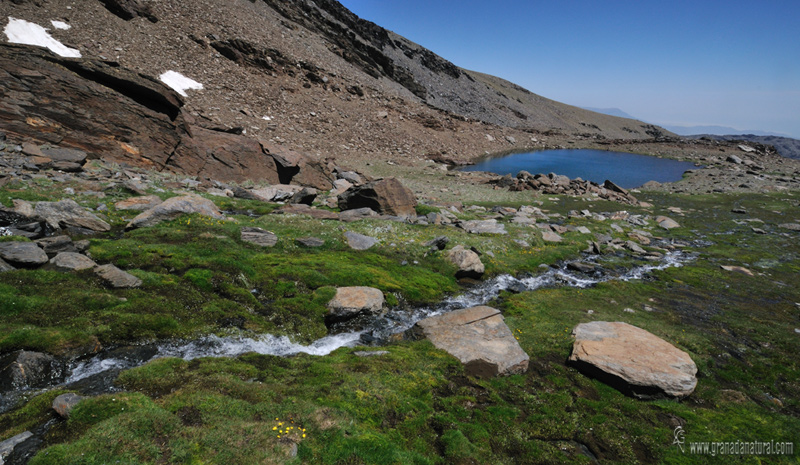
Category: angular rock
<point>173,208</point>
<point>352,301</point>
<point>276,193</point>
<point>130,9</point>
<point>310,241</point>
<point>305,196</point>
<point>632,360</point>
<point>387,196</point>
<point>581,267</point>
<point>7,446</point>
<point>340,185</point>
<point>117,278</point>
<point>54,245</point>
<point>613,187</point>
<point>359,241</point>
<point>259,236</point>
<point>67,213</point>
<point>438,243</point>
<point>64,403</point>
<point>634,247</point>
<point>478,337</point>
<point>60,154</point>
<point>26,369</point>
<point>71,261</point>
<point>139,203</point>
<point>5,266</point>
<point>22,253</point>
<point>298,168</point>
<point>550,236</point>
<point>483,227</point>
<point>468,262</point>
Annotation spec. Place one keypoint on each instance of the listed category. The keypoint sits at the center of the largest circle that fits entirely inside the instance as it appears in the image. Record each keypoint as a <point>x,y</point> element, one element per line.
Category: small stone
<point>737,269</point>
<point>667,223</point>
<point>117,278</point>
<point>739,210</point>
<point>310,241</point>
<point>628,310</point>
<point>549,236</point>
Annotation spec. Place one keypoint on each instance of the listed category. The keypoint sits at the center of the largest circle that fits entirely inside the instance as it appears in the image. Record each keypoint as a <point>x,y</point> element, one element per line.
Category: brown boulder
<point>298,168</point>
<point>387,196</point>
<point>632,360</point>
<point>479,338</point>
<point>351,301</point>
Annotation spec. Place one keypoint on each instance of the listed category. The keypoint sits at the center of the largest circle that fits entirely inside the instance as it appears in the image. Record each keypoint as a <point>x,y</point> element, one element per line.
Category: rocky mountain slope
<point>309,75</point>
<point>786,146</point>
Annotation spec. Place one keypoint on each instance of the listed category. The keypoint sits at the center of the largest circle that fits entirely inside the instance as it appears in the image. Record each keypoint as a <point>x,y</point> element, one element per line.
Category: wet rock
<point>173,208</point>
<point>64,403</point>
<point>7,446</point>
<point>68,214</point>
<point>467,261</point>
<point>310,241</point>
<point>139,203</point>
<point>26,369</point>
<point>483,227</point>
<point>72,261</point>
<point>117,278</point>
<point>632,360</point>
<point>581,267</point>
<point>478,337</point>
<point>352,301</point>
<point>259,237</point>
<point>387,196</point>
<point>22,254</point>
<point>359,241</point>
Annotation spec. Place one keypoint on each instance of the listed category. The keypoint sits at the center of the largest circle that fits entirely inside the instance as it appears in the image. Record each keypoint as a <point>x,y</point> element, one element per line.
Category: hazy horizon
<point>707,63</point>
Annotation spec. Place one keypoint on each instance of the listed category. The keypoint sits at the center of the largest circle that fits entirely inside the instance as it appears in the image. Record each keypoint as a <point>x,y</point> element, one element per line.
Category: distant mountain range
<point>718,131</point>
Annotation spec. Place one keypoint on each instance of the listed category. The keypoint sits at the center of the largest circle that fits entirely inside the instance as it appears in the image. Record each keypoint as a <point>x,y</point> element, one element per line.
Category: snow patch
<point>179,82</point>
<point>20,31</point>
<point>60,25</point>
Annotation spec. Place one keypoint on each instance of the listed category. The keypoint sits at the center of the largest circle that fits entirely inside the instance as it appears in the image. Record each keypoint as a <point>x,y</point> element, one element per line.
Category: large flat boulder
<point>387,196</point>
<point>22,253</point>
<point>632,360</point>
<point>173,208</point>
<point>478,337</point>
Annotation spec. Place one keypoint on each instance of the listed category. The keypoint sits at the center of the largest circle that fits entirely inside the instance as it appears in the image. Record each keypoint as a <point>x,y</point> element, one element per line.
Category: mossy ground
<point>415,405</point>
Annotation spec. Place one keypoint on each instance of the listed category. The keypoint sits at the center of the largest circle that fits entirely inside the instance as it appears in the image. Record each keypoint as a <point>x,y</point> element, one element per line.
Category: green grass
<point>416,404</point>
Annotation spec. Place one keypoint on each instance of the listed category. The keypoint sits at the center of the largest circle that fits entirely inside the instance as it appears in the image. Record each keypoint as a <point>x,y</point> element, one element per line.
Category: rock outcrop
<point>387,196</point>
<point>632,360</point>
<point>478,337</point>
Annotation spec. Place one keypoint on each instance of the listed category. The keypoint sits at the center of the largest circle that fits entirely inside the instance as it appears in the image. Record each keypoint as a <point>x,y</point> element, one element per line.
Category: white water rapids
<point>393,322</point>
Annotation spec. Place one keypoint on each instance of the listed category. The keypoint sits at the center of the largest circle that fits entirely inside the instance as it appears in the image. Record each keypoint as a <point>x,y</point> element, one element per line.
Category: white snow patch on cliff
<point>179,82</point>
<point>20,31</point>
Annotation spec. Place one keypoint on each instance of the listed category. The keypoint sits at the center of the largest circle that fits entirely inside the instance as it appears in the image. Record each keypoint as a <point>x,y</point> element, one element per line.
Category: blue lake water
<point>625,169</point>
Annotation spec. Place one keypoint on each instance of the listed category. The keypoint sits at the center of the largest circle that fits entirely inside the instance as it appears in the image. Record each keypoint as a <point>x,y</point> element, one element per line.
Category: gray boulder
<point>357,214</point>
<point>173,208</point>
<point>352,301</point>
<point>632,360</point>
<point>54,245</point>
<point>5,266</point>
<point>667,223</point>
<point>72,261</point>
<point>478,337</point>
<point>22,253</point>
<point>550,236</point>
<point>67,213</point>
<point>117,278</point>
<point>7,446</point>
<point>310,241</point>
<point>259,237</point>
<point>468,262</point>
<point>359,241</point>
<point>276,193</point>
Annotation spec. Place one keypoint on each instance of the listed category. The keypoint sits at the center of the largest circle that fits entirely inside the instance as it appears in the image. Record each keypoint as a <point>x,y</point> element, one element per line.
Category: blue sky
<point>730,63</point>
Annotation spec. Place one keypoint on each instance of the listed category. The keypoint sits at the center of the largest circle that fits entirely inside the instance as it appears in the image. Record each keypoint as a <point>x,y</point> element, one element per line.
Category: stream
<point>96,375</point>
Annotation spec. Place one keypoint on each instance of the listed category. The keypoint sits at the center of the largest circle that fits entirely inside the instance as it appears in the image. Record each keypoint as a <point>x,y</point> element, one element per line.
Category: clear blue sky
<point>731,63</point>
